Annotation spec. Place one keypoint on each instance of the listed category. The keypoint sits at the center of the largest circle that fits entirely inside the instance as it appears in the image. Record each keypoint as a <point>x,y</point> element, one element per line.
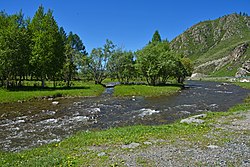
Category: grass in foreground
<point>144,90</point>
<point>27,93</point>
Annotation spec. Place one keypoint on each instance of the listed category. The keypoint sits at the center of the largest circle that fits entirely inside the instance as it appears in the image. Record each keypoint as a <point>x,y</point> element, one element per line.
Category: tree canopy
<point>38,49</point>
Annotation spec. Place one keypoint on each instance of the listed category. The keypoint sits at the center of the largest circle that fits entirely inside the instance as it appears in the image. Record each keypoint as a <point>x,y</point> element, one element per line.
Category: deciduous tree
<point>47,46</point>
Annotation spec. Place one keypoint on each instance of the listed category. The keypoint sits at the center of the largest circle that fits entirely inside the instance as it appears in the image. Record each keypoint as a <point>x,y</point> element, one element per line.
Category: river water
<point>33,123</point>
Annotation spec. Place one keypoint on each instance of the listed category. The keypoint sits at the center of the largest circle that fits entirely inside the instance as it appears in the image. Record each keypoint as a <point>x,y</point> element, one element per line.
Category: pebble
<point>212,146</point>
<point>147,143</point>
<point>55,102</point>
<point>101,154</point>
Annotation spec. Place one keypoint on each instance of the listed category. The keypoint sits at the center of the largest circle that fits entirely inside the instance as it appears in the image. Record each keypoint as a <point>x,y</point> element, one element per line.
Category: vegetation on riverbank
<point>27,92</point>
<point>144,90</point>
<point>245,85</point>
<point>83,148</point>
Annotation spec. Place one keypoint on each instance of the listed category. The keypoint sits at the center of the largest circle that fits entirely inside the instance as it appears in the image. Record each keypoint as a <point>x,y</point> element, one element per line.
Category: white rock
<point>212,146</point>
<point>55,102</point>
<point>147,112</point>
<point>101,154</point>
<point>147,143</point>
<point>194,119</point>
<point>199,116</point>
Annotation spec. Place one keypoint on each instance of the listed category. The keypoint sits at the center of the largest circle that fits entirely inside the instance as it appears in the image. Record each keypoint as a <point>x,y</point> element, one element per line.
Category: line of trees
<point>155,63</point>
<point>38,49</point>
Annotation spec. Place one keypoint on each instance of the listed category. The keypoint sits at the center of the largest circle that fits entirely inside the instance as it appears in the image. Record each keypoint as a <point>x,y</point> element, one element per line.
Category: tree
<point>156,37</point>
<point>14,47</point>
<point>74,51</point>
<point>121,65</point>
<point>152,59</point>
<point>47,46</point>
<point>97,62</point>
<point>157,63</point>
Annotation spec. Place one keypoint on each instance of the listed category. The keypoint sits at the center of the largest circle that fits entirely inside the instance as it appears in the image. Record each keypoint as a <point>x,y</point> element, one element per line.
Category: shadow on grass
<point>39,88</point>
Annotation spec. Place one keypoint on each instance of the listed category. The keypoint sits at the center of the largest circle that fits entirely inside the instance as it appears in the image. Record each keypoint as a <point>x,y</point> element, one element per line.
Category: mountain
<point>218,47</point>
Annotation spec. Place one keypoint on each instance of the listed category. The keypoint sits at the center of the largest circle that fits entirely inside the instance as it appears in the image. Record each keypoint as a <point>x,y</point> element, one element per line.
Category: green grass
<point>74,150</point>
<point>27,93</point>
<point>245,85</point>
<point>144,90</point>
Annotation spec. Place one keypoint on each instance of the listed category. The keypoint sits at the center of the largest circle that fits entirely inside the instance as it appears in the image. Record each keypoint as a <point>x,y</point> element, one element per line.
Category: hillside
<point>218,47</point>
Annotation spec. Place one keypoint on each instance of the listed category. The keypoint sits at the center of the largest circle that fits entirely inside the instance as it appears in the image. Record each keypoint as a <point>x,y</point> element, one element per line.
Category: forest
<point>38,49</point>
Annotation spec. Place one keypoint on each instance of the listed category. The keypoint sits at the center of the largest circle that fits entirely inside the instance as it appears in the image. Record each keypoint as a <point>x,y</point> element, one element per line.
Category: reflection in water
<point>39,122</point>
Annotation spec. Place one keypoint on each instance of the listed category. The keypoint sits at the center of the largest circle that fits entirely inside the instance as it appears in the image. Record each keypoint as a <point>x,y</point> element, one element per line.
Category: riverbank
<point>80,89</point>
<point>223,139</point>
<point>145,90</point>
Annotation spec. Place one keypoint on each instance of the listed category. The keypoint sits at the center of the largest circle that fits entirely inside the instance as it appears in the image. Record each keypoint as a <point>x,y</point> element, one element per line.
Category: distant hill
<point>218,47</point>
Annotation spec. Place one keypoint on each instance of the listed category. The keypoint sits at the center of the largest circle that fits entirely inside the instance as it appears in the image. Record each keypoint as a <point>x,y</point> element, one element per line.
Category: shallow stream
<point>34,123</point>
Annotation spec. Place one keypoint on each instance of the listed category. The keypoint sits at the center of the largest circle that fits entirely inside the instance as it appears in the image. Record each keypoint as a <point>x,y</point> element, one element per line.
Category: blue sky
<point>128,23</point>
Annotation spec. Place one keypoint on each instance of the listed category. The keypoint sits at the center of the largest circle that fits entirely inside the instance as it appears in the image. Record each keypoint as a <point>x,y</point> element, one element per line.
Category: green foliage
<point>97,62</point>
<point>156,37</point>
<point>157,63</point>
<point>47,45</point>
<point>79,89</point>
<point>75,53</point>
<point>245,85</point>
<point>14,47</point>
<point>37,48</point>
<point>121,65</point>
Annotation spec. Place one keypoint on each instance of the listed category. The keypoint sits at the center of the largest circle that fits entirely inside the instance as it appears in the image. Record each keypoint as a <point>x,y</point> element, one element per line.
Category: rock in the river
<point>55,102</point>
<point>145,112</point>
<point>194,119</point>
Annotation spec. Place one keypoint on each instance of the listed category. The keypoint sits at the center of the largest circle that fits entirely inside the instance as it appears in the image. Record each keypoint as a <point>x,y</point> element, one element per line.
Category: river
<point>34,123</point>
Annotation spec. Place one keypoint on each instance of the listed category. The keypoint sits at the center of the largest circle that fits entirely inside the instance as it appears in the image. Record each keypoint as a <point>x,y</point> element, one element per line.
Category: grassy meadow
<point>145,90</point>
<point>245,85</point>
<point>29,92</point>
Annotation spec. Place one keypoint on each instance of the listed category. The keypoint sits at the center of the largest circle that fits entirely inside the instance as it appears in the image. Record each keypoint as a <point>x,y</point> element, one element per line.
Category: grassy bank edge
<point>22,94</point>
<point>145,90</point>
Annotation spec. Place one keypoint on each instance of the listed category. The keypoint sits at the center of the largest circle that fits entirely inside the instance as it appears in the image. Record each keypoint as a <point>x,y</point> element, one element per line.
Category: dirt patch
<point>229,146</point>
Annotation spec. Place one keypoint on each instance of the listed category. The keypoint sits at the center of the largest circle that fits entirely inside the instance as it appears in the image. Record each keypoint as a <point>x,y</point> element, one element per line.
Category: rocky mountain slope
<point>219,47</point>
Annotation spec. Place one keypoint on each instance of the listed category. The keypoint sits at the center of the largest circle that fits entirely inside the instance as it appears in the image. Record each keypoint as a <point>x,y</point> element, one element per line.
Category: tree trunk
<point>43,83</point>
<point>54,82</point>
<point>20,81</point>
